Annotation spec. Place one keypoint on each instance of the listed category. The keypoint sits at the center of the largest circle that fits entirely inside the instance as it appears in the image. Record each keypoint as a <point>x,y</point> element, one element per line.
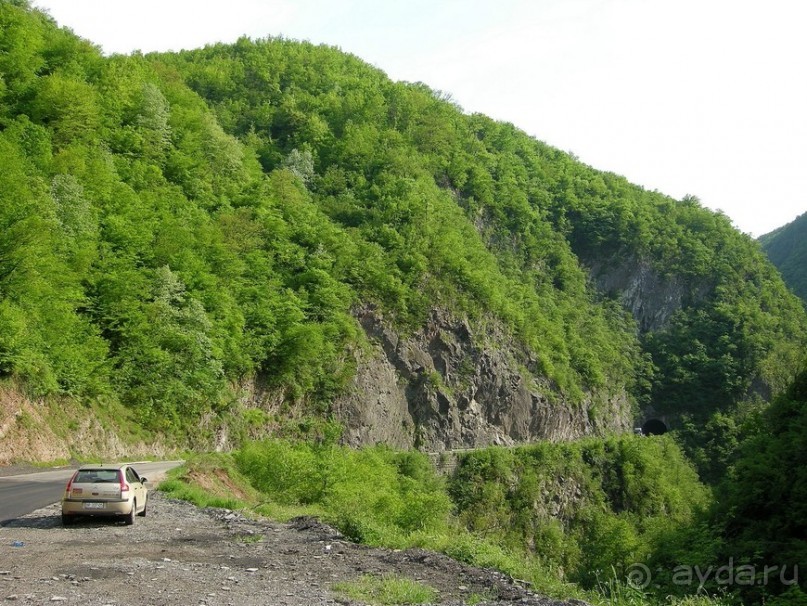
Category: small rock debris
<point>181,554</point>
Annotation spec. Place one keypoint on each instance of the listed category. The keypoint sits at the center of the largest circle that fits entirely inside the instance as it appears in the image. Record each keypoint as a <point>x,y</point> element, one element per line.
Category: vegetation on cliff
<point>149,254</point>
<point>174,225</point>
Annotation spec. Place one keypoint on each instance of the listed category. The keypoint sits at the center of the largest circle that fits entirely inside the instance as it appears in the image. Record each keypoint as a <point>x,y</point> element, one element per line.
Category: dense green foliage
<point>374,496</point>
<point>589,509</point>
<point>787,249</point>
<point>173,225</point>
<point>385,162</point>
<point>763,516</point>
<point>532,204</point>
<point>147,253</point>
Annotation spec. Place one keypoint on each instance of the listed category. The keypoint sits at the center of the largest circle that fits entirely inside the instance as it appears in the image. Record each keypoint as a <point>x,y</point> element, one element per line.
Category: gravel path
<point>180,554</point>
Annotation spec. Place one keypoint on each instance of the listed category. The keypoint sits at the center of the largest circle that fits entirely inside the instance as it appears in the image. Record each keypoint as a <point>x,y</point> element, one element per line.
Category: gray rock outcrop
<point>450,386</point>
<point>651,296</point>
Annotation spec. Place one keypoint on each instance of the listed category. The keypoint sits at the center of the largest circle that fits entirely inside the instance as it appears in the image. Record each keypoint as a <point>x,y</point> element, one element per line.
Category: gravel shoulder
<point>180,554</point>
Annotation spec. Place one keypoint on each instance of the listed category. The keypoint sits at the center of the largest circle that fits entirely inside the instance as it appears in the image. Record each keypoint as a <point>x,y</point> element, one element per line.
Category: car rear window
<point>96,476</point>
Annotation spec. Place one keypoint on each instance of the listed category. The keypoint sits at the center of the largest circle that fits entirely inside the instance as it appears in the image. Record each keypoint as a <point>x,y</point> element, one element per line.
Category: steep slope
<point>787,249</point>
<point>278,227</point>
<point>713,315</point>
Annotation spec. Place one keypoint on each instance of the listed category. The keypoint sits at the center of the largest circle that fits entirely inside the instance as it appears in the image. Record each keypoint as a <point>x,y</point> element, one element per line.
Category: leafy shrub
<point>373,495</point>
<point>290,473</point>
<point>181,490</point>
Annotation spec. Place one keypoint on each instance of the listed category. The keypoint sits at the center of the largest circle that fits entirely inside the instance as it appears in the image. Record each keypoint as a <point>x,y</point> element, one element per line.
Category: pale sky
<point>701,97</point>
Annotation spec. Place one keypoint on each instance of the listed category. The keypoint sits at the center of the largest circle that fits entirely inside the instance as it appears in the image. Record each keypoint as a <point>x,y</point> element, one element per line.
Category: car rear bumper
<point>73,507</point>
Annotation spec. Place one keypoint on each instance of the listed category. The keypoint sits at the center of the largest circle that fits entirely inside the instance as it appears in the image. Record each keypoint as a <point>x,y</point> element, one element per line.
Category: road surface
<point>22,494</point>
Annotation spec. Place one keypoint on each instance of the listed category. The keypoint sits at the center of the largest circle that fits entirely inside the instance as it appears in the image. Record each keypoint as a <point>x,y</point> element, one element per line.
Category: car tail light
<point>124,487</point>
<point>70,483</point>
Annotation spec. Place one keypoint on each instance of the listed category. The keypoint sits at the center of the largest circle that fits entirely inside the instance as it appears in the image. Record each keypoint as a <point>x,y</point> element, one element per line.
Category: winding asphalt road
<point>24,493</point>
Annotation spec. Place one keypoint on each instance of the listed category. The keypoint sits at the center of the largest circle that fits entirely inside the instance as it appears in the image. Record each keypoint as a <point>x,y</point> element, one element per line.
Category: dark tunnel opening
<point>654,427</point>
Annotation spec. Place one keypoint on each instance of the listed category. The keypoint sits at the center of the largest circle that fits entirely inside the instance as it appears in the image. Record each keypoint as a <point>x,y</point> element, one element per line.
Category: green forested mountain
<point>174,225</point>
<point>787,249</point>
<point>179,231</point>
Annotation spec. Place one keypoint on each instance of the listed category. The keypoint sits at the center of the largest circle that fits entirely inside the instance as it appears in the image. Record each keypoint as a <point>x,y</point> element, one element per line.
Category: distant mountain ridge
<point>787,249</point>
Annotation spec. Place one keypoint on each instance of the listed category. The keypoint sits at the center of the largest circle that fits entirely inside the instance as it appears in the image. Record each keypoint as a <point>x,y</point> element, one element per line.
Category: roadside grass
<point>386,590</point>
<point>284,513</point>
<point>210,480</point>
<point>200,480</point>
<point>467,547</point>
<point>178,489</point>
<point>615,592</point>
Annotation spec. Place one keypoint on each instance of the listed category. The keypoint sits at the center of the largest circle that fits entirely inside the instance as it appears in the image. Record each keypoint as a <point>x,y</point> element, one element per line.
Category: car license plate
<point>94,505</point>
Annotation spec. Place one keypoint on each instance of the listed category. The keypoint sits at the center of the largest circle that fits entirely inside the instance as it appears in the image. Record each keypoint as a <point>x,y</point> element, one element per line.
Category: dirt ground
<point>180,554</point>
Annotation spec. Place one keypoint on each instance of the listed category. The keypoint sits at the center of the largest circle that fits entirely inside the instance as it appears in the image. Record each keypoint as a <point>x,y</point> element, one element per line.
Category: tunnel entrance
<point>654,427</point>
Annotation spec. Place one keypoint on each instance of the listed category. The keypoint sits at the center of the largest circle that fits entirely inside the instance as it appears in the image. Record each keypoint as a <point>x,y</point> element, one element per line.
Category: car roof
<point>104,466</point>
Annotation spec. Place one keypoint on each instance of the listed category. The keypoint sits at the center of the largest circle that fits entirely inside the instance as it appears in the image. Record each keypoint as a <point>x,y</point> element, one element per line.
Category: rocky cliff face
<point>36,430</point>
<point>448,387</point>
<point>452,385</point>
<point>650,296</point>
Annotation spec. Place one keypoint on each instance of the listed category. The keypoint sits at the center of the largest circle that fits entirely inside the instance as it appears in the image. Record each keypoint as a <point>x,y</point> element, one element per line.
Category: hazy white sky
<point>702,97</point>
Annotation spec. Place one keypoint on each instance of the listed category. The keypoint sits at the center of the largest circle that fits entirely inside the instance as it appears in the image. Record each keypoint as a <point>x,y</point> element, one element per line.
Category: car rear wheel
<point>67,520</point>
<point>129,518</point>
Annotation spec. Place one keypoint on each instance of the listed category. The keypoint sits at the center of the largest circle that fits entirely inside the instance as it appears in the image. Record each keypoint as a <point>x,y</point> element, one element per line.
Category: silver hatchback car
<point>105,490</point>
